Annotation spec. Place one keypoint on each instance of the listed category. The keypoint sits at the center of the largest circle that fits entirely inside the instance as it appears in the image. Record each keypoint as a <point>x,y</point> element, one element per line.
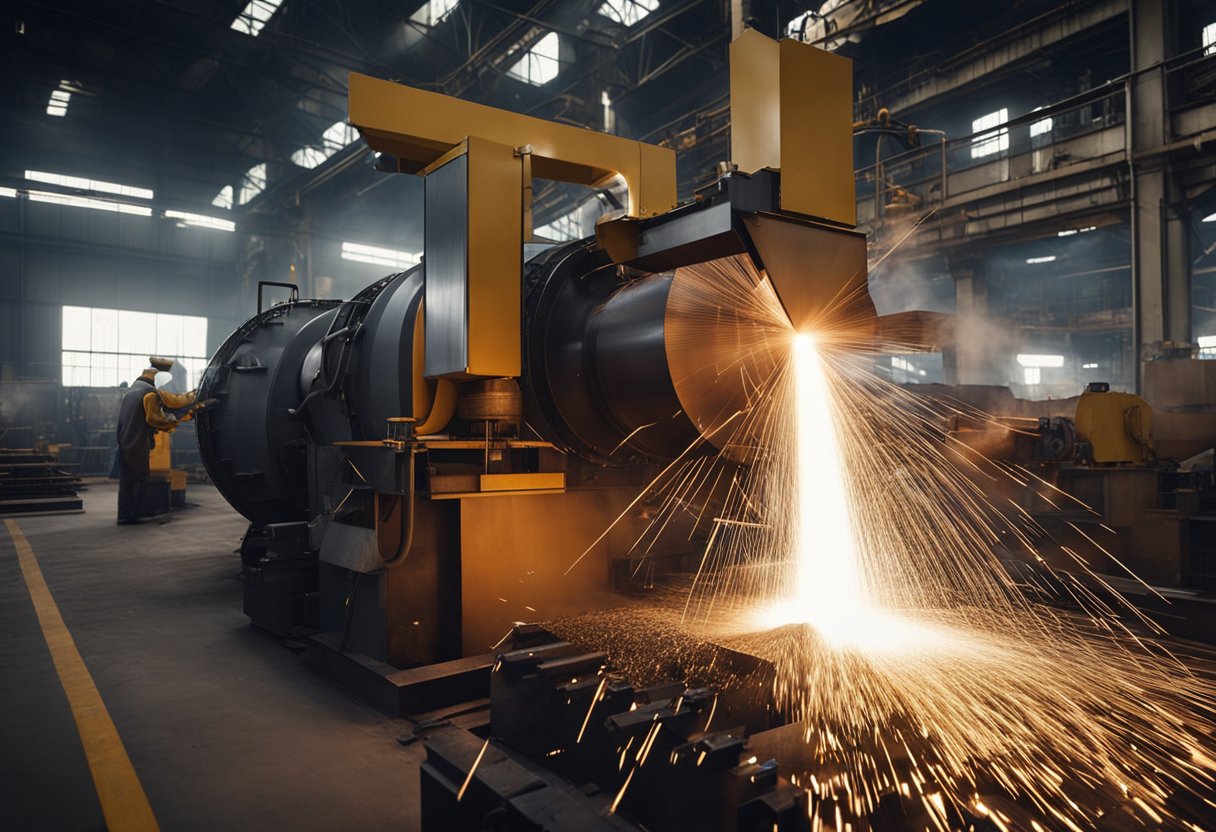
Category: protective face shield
<point>162,380</point>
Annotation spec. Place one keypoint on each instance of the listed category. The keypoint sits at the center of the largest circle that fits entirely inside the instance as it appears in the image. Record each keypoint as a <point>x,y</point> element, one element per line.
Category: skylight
<point>1209,39</point>
<point>434,12</point>
<point>539,65</point>
<point>83,184</point>
<point>224,198</point>
<point>256,14</point>
<point>993,141</point>
<point>362,253</point>
<point>627,12</point>
<point>186,219</point>
<point>252,184</point>
<point>58,103</point>
<point>337,136</point>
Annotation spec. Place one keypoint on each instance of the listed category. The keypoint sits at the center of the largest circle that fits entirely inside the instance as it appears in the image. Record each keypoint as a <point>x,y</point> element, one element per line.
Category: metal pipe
<point>407,520</point>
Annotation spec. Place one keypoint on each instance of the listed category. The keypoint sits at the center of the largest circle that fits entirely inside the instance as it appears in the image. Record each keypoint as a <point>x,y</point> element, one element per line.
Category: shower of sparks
<point>849,540</point>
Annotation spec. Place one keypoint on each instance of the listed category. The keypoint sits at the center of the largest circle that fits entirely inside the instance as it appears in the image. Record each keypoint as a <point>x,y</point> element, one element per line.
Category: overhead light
<point>11,193</point>
<point>1089,366</point>
<point>185,218</point>
<point>90,202</point>
<point>1069,232</point>
<point>1032,360</point>
<point>362,253</point>
<point>255,15</point>
<point>1210,218</point>
<point>58,103</point>
<point>80,183</point>
<point>1031,261</point>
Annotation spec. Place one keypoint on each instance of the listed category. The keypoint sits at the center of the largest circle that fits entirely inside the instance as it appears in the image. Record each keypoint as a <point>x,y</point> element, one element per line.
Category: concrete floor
<point>225,727</point>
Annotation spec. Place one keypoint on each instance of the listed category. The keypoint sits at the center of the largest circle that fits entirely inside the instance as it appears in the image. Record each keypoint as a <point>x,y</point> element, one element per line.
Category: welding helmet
<point>162,380</point>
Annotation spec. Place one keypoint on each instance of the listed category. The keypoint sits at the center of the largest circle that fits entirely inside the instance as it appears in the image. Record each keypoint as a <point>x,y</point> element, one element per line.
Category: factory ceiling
<point>194,97</point>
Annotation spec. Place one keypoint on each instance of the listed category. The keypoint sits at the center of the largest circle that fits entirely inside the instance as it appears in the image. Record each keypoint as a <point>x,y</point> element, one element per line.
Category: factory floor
<point>223,726</point>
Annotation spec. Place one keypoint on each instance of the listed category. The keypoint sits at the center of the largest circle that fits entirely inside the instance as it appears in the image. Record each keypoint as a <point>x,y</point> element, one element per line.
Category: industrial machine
<point>422,464</point>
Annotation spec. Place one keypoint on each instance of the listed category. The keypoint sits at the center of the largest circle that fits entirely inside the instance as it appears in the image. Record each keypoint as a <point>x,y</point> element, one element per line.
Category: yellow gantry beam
<point>419,127</point>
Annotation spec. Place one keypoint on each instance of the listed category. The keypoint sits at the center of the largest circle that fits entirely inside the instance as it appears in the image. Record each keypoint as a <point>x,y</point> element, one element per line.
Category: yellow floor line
<point>122,798</point>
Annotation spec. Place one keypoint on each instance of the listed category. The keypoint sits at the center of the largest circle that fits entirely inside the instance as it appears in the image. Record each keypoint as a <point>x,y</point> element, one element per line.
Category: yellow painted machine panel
<point>1118,426</point>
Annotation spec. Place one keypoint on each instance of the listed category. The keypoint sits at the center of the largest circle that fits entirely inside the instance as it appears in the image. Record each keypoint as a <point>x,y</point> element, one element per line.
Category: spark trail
<point>852,544</point>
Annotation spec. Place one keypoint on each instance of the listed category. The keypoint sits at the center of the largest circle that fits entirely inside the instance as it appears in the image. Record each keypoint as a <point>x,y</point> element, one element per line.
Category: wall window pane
<point>105,347</point>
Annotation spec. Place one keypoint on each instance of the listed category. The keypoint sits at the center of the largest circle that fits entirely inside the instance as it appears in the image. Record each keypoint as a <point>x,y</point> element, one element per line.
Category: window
<point>563,228</point>
<point>83,184</point>
<point>105,347</point>
<point>1034,360</point>
<point>434,12</point>
<point>539,65</point>
<point>337,136</point>
<point>1207,346</point>
<point>187,220</point>
<point>993,140</point>
<point>797,27</point>
<point>1209,39</point>
<point>255,15</point>
<point>1031,375</point>
<point>253,183</point>
<point>224,198</point>
<point>627,12</point>
<point>1040,127</point>
<point>362,253</point>
<point>58,103</point>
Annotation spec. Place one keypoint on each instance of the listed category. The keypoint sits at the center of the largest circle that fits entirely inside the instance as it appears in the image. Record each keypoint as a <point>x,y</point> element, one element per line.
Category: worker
<point>146,408</point>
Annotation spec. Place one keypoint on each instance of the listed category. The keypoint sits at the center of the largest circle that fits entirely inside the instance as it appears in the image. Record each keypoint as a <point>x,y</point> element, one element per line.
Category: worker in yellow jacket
<point>146,408</point>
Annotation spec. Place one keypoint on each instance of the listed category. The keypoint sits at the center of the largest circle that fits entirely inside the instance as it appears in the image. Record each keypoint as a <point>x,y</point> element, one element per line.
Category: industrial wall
<point>53,255</point>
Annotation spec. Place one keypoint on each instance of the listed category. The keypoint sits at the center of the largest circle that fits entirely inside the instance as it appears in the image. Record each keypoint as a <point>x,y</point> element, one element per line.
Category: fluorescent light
<point>89,202</point>
<point>185,218</point>
<point>1030,261</point>
<point>83,184</point>
<point>361,253</point>
<point>1089,366</point>
<point>627,12</point>
<point>11,193</point>
<point>255,15</point>
<point>1031,360</point>
<point>1069,232</point>
<point>1210,218</point>
<point>224,198</point>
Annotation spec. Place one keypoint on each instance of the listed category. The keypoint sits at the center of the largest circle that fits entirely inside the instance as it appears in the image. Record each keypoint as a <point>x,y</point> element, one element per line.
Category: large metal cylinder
<point>596,382</point>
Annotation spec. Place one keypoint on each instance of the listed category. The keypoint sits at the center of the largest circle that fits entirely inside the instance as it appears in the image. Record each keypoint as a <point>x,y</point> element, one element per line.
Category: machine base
<point>399,692</point>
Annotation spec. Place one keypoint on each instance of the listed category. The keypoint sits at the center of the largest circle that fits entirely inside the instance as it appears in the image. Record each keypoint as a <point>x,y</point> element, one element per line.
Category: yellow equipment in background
<point>1117,426</point>
<point>160,468</point>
